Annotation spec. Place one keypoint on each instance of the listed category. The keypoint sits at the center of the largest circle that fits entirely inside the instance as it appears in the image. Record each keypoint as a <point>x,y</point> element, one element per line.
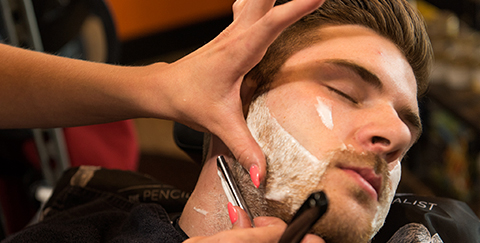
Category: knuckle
<point>238,6</point>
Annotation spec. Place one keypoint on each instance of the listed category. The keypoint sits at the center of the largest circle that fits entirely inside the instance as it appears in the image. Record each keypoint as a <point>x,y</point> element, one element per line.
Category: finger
<point>311,238</point>
<point>238,138</point>
<point>268,229</point>
<point>267,29</point>
<point>270,221</point>
<point>238,217</point>
<point>238,7</point>
<point>196,239</point>
<point>253,10</point>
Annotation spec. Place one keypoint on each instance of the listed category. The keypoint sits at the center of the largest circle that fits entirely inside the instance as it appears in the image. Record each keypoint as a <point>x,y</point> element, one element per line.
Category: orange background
<point>137,18</point>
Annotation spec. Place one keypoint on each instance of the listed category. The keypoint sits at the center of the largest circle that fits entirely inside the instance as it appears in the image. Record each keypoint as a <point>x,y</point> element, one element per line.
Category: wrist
<point>150,90</point>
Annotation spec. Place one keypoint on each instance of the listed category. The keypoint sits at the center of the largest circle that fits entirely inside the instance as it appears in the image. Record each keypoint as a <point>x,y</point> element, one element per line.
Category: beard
<point>293,173</point>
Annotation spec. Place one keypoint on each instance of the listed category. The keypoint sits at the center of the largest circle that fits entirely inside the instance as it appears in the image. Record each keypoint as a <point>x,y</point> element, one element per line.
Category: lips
<point>367,178</point>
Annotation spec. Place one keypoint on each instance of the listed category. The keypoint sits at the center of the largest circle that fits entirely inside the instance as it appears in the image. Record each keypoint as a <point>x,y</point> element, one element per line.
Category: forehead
<point>361,46</point>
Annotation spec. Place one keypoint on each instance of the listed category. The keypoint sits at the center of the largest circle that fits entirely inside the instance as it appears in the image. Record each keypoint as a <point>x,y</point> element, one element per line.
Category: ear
<point>247,90</point>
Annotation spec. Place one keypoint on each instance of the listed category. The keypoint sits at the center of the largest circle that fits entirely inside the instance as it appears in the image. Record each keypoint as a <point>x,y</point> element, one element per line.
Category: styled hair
<point>395,20</point>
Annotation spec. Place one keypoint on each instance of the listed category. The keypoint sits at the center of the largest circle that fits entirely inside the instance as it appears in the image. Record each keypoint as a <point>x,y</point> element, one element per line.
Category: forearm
<point>40,90</point>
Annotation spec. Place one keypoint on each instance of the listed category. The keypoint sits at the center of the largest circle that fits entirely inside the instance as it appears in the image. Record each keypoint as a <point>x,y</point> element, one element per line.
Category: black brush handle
<point>307,215</point>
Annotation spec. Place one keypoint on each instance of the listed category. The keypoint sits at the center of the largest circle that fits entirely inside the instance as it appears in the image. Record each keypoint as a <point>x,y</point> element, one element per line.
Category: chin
<point>346,219</point>
<point>352,216</point>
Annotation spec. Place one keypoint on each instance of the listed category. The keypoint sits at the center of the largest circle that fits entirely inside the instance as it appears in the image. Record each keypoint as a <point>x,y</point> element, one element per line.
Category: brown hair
<point>395,20</point>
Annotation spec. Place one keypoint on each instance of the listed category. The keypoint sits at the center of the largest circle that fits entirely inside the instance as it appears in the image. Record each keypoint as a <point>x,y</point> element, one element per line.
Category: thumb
<point>238,217</point>
<point>246,150</point>
<point>311,238</point>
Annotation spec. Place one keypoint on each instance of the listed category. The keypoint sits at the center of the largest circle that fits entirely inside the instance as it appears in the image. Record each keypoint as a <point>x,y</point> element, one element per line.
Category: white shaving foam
<point>324,109</point>
<point>382,210</point>
<point>396,174</point>
<point>291,166</point>
<point>200,211</point>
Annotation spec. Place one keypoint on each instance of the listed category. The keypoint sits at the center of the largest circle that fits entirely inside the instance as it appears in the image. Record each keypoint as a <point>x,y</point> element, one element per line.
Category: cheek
<point>290,104</point>
<point>324,109</point>
<point>293,172</point>
<point>306,113</point>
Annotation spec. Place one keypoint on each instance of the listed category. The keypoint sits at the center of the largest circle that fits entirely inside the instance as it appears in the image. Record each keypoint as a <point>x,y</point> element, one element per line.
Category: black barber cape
<point>90,204</point>
<point>429,219</point>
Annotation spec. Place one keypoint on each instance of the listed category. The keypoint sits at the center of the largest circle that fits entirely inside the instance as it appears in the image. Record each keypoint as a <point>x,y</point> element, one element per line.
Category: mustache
<point>348,158</point>
<point>351,158</point>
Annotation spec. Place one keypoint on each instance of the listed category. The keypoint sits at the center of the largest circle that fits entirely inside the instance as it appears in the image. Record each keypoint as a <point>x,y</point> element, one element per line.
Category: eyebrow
<point>369,77</point>
<point>365,74</point>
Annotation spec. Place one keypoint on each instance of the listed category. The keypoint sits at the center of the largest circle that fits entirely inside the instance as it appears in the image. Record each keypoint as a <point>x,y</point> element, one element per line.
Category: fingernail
<point>255,176</point>
<point>232,212</point>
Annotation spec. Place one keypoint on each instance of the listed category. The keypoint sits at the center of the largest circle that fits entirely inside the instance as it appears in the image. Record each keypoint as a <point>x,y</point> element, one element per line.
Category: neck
<point>206,210</point>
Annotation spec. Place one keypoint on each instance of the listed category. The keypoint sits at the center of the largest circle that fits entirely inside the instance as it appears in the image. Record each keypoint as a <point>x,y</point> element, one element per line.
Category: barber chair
<point>189,140</point>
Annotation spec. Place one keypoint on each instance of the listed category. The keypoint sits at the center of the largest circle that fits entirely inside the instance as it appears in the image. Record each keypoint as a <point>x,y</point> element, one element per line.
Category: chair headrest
<point>189,140</point>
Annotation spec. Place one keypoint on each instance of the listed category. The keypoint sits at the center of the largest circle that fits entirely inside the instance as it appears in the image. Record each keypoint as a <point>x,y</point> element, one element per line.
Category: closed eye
<point>343,95</point>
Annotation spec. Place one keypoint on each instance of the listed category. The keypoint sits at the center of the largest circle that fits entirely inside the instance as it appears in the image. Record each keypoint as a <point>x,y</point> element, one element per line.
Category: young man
<point>334,107</point>
<point>336,110</point>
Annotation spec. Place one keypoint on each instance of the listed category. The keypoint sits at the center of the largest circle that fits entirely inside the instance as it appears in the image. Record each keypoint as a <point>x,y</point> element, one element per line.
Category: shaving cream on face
<point>200,211</point>
<point>324,109</point>
<point>292,169</point>
<point>382,209</point>
<point>396,174</point>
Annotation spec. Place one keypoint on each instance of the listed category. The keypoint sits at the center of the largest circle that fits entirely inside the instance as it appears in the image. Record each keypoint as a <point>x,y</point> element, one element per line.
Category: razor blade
<point>230,187</point>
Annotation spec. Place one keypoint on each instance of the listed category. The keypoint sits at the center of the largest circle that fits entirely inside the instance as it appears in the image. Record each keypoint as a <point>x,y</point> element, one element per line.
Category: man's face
<point>340,116</point>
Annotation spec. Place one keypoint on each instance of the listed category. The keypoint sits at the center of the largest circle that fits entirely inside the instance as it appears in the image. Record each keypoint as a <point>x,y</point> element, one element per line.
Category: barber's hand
<point>267,229</point>
<point>204,87</point>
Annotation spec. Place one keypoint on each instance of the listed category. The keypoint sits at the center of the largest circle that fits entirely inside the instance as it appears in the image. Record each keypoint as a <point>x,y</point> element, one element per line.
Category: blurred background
<point>445,162</point>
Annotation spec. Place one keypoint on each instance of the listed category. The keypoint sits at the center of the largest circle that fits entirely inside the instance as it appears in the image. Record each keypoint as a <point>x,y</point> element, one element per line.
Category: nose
<point>384,134</point>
